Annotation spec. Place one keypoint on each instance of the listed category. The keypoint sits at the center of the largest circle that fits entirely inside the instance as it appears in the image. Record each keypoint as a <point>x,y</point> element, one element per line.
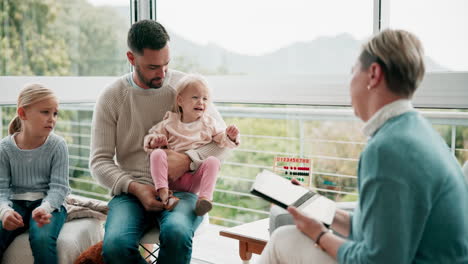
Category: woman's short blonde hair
<point>185,82</point>
<point>401,56</point>
<point>30,94</point>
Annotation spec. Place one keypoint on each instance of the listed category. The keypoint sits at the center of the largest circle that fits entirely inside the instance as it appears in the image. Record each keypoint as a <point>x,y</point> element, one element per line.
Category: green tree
<point>95,38</point>
<point>28,45</point>
<point>66,37</point>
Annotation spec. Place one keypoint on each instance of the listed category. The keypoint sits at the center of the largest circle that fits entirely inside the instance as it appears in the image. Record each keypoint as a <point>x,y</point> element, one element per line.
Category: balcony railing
<point>331,138</point>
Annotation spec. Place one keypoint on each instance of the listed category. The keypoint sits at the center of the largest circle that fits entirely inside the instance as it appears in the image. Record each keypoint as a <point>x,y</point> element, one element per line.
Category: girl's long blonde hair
<point>184,83</point>
<point>30,94</point>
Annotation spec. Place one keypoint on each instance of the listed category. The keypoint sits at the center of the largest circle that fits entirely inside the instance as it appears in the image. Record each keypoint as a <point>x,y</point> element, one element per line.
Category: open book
<point>283,193</point>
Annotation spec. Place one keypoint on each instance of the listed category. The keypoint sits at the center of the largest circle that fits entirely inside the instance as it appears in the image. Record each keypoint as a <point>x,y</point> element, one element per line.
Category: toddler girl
<point>188,127</point>
<point>33,175</point>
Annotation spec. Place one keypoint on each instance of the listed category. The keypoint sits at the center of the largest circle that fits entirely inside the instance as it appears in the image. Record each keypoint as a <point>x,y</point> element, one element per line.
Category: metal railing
<point>331,138</point>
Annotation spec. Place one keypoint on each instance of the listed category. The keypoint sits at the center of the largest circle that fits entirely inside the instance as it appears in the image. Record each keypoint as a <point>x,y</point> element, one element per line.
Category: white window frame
<point>438,90</point>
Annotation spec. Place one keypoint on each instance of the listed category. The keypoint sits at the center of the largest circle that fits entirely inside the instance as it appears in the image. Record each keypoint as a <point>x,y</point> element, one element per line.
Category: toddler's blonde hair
<point>185,82</point>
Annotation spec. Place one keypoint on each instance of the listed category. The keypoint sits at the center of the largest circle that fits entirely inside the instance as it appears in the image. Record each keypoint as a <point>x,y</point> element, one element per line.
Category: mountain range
<point>323,55</point>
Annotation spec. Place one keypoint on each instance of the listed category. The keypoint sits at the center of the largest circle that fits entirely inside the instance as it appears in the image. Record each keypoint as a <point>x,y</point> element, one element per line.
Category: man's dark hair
<point>147,34</point>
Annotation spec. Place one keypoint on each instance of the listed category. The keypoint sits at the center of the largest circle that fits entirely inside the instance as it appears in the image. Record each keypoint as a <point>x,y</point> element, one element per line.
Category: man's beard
<point>147,82</point>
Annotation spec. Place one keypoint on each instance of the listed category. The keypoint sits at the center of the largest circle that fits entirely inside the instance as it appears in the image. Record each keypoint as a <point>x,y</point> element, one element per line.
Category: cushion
<point>279,217</point>
<point>75,237</point>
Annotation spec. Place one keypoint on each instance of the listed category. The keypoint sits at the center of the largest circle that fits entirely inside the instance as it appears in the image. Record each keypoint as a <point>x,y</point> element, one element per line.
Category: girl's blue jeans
<point>43,240</point>
<point>127,220</point>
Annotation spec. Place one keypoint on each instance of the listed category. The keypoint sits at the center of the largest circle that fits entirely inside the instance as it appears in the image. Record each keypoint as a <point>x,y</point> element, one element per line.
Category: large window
<point>265,37</point>
<point>63,37</point>
<point>278,70</point>
<point>442,27</point>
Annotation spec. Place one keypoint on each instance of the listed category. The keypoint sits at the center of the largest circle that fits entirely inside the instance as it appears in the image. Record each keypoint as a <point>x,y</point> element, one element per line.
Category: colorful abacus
<point>297,168</point>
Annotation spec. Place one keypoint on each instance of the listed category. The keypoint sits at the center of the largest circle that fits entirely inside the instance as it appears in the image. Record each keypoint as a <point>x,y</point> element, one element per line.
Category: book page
<point>278,187</point>
<point>322,209</point>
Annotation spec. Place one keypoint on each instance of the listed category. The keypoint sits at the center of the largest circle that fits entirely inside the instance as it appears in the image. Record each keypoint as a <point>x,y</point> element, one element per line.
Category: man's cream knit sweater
<point>122,117</point>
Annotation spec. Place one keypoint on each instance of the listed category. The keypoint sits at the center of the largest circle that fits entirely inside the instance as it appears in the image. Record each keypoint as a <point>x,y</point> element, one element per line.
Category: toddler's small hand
<point>147,142</point>
<point>153,141</point>
<point>158,141</point>
<point>232,131</point>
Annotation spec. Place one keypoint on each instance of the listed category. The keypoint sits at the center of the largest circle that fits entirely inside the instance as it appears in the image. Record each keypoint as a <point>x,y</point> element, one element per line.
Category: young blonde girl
<point>33,175</point>
<point>188,126</point>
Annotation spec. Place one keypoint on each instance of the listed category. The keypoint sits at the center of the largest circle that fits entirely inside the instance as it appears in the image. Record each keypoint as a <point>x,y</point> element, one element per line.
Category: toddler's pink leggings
<point>201,182</point>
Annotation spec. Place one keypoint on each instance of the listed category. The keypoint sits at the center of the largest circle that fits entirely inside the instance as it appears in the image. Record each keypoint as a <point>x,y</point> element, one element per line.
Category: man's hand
<point>178,164</point>
<point>147,196</point>
<point>41,216</point>
<point>12,220</point>
<point>309,226</point>
<point>232,131</point>
<point>163,195</point>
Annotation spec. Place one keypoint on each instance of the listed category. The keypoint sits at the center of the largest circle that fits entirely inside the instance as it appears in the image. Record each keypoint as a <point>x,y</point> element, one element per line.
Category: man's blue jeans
<point>127,220</point>
<point>43,240</point>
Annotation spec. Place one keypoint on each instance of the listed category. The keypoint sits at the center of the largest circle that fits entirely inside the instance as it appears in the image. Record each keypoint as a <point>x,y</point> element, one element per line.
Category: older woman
<point>413,202</point>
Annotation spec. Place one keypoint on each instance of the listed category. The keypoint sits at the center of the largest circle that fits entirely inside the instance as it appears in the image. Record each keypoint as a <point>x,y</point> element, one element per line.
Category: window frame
<point>438,90</point>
